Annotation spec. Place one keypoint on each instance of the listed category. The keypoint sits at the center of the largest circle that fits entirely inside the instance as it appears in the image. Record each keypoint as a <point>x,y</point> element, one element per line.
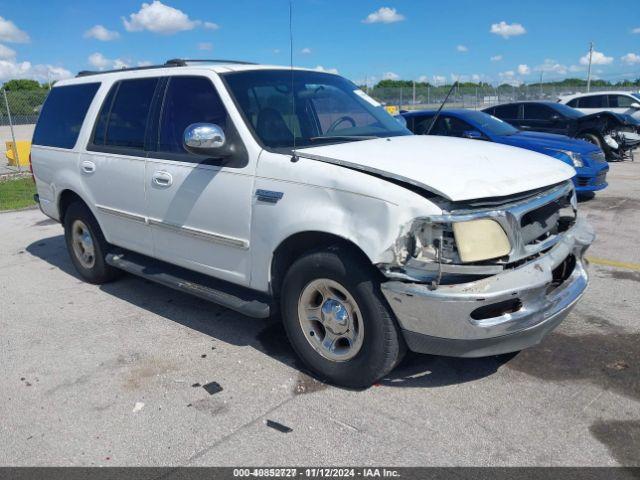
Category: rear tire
<point>337,319</point>
<point>86,245</point>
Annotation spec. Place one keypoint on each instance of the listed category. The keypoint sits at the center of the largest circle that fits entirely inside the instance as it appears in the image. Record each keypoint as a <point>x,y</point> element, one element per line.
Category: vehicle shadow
<point>267,336</point>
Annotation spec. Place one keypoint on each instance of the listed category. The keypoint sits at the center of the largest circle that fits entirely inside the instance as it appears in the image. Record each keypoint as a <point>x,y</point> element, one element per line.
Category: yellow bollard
<point>23,149</point>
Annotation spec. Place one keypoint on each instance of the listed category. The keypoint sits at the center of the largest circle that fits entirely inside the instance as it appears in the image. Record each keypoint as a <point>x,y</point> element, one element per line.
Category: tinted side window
<point>537,112</point>
<point>573,103</point>
<point>101,123</point>
<point>188,100</point>
<point>620,101</point>
<point>127,120</point>
<point>454,127</point>
<point>62,115</point>
<point>506,111</point>
<point>421,124</point>
<point>593,101</point>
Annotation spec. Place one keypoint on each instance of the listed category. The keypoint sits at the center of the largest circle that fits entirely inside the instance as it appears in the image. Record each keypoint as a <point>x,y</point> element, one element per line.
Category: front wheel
<point>338,321</point>
<point>591,138</point>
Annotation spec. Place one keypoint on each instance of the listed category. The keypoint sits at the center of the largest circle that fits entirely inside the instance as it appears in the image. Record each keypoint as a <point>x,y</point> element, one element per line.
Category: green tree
<point>21,85</point>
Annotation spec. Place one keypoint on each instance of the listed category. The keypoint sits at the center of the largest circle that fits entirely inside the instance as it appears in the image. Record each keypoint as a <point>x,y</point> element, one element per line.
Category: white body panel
<point>210,220</point>
<point>635,112</point>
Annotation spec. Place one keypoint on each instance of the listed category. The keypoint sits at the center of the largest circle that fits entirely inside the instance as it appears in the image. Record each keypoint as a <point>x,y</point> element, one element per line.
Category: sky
<point>494,41</point>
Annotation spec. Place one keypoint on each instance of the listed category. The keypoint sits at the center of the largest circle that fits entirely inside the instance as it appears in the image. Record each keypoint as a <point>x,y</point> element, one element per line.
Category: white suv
<point>290,192</point>
<point>614,101</point>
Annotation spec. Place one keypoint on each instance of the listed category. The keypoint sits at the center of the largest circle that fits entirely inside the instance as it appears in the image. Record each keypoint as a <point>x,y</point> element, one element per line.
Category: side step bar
<point>242,300</point>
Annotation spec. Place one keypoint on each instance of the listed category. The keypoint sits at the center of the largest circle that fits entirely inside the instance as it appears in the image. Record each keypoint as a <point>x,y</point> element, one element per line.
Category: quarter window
<point>62,115</point>
<point>188,100</point>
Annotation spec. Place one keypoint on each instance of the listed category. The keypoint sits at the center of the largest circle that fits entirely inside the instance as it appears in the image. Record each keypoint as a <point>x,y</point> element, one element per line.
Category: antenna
<point>294,156</point>
<point>435,117</point>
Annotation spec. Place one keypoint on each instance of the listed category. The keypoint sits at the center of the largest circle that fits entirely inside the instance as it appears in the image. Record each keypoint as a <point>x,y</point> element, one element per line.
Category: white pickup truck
<point>290,192</point>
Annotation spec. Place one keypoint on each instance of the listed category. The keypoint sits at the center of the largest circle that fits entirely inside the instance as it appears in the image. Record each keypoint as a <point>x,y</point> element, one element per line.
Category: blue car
<point>588,160</point>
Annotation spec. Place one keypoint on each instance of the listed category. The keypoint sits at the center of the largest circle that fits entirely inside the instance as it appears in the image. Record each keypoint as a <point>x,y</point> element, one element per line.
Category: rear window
<point>62,115</point>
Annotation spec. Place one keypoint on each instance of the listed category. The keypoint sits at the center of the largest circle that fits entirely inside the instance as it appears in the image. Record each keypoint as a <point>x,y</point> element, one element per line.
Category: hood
<point>455,168</point>
<point>541,142</point>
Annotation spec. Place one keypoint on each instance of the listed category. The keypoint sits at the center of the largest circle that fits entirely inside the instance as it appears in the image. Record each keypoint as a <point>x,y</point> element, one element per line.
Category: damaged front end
<point>485,269</point>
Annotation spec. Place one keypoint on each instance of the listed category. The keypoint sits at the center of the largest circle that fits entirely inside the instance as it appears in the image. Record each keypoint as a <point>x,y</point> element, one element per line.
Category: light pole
<point>589,70</point>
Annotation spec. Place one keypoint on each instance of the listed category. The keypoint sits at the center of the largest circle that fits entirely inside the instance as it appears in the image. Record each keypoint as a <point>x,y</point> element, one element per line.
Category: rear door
<point>113,167</point>
<point>541,118</point>
<point>199,208</point>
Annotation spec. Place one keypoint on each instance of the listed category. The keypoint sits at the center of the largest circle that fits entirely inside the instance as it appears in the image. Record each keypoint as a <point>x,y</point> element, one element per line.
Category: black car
<point>604,129</point>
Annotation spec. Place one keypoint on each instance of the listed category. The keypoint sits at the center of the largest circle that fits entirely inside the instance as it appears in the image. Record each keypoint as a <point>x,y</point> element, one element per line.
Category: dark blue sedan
<point>588,160</point>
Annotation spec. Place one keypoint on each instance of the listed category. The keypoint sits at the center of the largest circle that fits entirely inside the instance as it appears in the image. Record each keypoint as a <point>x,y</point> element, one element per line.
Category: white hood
<point>458,169</point>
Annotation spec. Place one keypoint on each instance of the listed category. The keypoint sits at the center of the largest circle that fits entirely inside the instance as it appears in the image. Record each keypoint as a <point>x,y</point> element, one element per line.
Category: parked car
<point>610,101</point>
<point>605,129</point>
<point>586,158</point>
<point>290,192</point>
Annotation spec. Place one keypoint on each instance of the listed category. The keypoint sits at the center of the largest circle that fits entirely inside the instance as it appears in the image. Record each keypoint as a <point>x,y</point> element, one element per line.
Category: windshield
<point>488,124</point>
<point>566,110</point>
<point>323,108</point>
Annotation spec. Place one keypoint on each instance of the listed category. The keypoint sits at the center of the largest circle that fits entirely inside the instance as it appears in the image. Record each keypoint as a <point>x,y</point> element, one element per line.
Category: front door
<point>199,208</point>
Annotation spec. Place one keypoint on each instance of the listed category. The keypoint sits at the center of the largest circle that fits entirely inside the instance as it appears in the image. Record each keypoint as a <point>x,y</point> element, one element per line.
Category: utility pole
<point>541,73</point>
<point>414,92</point>
<point>589,70</point>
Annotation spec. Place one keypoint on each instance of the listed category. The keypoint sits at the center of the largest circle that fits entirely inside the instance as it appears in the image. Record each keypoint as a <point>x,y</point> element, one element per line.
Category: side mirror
<point>205,139</point>
<point>635,105</point>
<point>472,135</point>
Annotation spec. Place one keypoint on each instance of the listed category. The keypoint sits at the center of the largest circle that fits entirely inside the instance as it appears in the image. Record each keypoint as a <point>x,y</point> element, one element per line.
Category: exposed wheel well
<point>67,197</point>
<point>296,245</point>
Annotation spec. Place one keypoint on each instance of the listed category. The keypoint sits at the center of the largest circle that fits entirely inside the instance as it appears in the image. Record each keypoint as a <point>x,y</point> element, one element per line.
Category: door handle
<point>87,166</point>
<point>162,179</point>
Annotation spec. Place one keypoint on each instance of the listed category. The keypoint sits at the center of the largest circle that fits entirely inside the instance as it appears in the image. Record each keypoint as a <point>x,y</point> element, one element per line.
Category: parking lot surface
<point>114,374</point>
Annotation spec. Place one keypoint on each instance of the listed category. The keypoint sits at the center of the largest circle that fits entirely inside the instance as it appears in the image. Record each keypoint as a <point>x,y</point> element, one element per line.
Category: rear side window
<point>62,115</point>
<point>188,100</point>
<point>594,101</point>
<point>620,101</point>
<point>506,111</point>
<point>123,119</point>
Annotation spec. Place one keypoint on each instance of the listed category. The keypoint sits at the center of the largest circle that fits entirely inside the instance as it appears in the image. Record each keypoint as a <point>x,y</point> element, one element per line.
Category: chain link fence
<point>19,112</point>
<point>474,97</point>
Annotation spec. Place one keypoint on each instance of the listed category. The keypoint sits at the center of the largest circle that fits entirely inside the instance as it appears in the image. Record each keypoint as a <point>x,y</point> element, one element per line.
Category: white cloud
<point>509,77</point>
<point>205,46</point>
<point>496,58</point>
<point>10,70</point>
<point>99,61</point>
<point>390,76</point>
<point>305,51</point>
<point>6,52</point>
<point>320,68</point>
<point>439,80</point>
<point>384,15</point>
<point>159,18</point>
<point>423,78</point>
<point>276,50</point>
<point>506,30</point>
<point>636,30</point>
<point>576,68</point>
<point>462,48</point>
<point>598,58</point>
<point>524,69</point>
<point>9,32</point>
<point>144,63</point>
<point>551,66</point>
<point>101,33</point>
<point>630,59</point>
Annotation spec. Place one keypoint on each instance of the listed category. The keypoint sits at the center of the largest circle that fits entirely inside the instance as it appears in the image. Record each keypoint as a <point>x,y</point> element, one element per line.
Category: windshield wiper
<point>344,137</point>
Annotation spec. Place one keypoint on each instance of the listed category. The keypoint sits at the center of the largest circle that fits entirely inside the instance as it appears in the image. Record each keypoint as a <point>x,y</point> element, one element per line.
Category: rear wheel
<point>86,245</point>
<point>338,321</point>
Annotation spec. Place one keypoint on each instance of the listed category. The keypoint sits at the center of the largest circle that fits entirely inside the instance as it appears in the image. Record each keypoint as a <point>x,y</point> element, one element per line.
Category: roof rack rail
<point>174,62</point>
<point>182,62</point>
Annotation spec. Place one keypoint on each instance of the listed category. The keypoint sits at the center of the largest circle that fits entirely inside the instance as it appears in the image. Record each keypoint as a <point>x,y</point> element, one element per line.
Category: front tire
<point>591,138</point>
<point>86,245</point>
<point>338,321</point>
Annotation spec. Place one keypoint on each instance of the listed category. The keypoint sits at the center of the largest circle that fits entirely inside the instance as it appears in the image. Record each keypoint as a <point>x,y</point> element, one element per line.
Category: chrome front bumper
<point>445,321</point>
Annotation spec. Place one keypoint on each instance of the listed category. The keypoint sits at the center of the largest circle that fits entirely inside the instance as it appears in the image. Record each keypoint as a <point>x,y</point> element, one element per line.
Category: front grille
<point>547,220</point>
<point>583,181</point>
<point>598,157</point>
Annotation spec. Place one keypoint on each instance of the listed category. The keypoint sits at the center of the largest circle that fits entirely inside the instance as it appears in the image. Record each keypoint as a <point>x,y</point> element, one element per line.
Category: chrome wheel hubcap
<point>331,320</point>
<point>83,244</point>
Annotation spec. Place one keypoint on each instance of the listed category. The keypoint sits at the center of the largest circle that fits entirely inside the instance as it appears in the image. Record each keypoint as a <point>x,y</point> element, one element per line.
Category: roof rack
<point>174,62</point>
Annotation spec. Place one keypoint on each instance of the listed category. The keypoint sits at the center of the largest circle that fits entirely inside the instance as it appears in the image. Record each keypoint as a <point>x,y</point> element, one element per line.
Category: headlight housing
<point>453,242</point>
<point>574,157</point>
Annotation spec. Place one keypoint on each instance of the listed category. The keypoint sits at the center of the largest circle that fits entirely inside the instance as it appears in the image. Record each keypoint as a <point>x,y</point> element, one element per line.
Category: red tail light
<point>31,169</point>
